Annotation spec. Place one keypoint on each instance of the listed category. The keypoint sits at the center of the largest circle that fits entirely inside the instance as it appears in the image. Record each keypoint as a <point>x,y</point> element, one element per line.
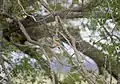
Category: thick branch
<point>63,14</point>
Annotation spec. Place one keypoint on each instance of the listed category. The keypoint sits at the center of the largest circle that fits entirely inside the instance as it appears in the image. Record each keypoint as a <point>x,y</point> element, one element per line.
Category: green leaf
<point>72,79</point>
<point>75,1</point>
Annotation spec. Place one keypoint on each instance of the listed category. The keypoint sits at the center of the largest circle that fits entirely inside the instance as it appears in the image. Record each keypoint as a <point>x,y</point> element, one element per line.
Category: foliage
<point>26,72</point>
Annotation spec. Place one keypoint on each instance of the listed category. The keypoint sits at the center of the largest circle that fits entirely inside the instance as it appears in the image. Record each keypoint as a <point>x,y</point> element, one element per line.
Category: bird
<point>56,41</point>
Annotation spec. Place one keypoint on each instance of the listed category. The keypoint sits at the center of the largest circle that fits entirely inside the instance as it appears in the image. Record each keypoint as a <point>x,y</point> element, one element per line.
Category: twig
<point>79,58</point>
<point>37,43</point>
<point>26,12</point>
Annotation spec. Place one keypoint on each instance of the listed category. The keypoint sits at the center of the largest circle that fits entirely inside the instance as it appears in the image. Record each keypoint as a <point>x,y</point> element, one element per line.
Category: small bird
<point>57,44</point>
<point>56,41</point>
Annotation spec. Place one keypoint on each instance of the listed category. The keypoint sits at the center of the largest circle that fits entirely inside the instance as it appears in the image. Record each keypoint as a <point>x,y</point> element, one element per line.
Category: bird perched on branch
<point>56,41</point>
